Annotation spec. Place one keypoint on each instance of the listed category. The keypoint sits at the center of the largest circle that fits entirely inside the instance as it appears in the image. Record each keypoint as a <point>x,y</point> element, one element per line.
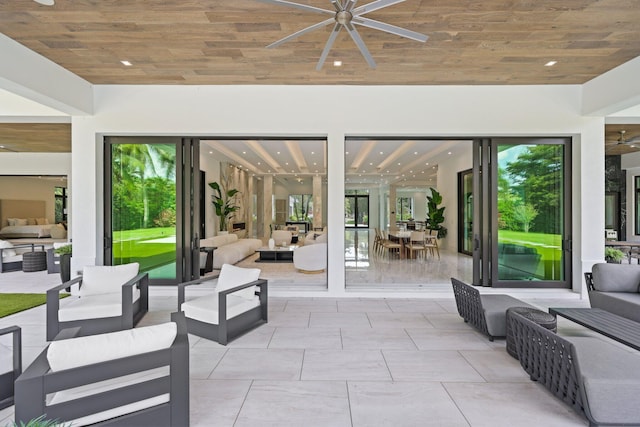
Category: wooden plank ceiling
<point>224,42</point>
<point>612,145</point>
<point>35,137</point>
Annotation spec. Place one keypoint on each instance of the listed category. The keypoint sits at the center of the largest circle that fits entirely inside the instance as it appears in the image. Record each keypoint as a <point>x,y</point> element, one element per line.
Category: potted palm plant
<point>435,213</point>
<point>224,204</point>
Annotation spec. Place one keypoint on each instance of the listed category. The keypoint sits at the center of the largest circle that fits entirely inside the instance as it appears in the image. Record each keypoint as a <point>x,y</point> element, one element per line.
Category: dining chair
<point>431,243</point>
<point>416,243</point>
<point>390,246</point>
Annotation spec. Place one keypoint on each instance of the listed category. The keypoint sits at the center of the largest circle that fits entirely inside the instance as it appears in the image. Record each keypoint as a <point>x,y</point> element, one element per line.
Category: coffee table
<point>277,254</point>
<point>611,325</point>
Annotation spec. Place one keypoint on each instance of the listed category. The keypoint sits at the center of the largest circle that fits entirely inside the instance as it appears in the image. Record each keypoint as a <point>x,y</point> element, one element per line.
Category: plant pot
<point>222,232</point>
<point>65,267</point>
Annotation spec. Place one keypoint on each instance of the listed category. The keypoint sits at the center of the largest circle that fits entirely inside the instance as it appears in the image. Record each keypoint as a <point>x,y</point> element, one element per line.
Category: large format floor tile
<point>430,366</point>
<point>360,365</point>
<point>508,405</point>
<point>265,364</point>
<point>296,403</point>
<point>403,404</point>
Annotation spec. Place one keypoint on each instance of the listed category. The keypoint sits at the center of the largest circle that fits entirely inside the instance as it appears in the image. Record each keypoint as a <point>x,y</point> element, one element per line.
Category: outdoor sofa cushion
<point>616,277</point>
<point>94,306</point>
<point>106,279</point>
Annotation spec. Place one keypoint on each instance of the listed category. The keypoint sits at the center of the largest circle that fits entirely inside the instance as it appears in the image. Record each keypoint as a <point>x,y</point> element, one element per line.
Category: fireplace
<point>237,226</point>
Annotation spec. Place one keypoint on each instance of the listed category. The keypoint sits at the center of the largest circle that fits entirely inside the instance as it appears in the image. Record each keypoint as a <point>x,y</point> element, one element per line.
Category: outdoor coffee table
<point>611,325</point>
<point>277,254</point>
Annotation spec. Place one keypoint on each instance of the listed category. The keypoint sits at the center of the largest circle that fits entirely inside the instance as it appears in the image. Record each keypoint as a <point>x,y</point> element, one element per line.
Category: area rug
<point>15,303</point>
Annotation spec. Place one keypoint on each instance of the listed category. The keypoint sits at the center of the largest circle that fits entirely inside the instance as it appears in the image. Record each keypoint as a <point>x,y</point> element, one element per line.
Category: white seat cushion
<point>106,279</point>
<point>205,309</point>
<point>94,306</point>
<point>232,276</point>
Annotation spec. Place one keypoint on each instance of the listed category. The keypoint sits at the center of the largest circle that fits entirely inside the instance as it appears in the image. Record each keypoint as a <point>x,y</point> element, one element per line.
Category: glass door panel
<point>465,213</point>
<point>530,220</point>
<point>143,207</point>
<point>356,211</point>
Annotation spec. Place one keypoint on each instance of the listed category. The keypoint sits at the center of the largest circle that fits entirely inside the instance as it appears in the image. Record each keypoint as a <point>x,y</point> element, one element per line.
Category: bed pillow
<point>12,222</point>
<point>8,252</point>
<point>42,221</point>
<point>31,221</point>
<point>21,221</point>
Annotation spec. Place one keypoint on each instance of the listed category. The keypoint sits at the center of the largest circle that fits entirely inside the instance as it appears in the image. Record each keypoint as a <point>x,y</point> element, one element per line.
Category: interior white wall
<point>448,188</point>
<point>438,111</point>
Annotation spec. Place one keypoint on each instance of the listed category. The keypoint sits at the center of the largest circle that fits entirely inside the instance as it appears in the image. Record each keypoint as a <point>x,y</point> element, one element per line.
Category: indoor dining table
<point>403,237</point>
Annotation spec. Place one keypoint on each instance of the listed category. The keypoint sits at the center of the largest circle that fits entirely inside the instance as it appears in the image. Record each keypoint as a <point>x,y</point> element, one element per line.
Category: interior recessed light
<point>550,63</point>
<point>278,152</point>
<point>244,152</point>
<point>347,153</point>
<point>313,152</point>
<point>210,152</point>
<point>126,63</point>
<point>398,163</point>
<point>337,63</point>
<point>415,153</point>
<point>449,152</point>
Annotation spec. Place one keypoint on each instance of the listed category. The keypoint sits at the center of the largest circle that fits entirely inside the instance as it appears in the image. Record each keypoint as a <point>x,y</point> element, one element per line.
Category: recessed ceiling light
<point>126,63</point>
<point>313,152</point>
<point>278,152</point>
<point>244,152</point>
<point>399,163</point>
<point>381,153</point>
<point>347,153</point>
<point>449,152</point>
<point>286,163</point>
<point>210,152</point>
<point>337,63</point>
<point>370,164</point>
<point>550,63</point>
<point>415,152</point>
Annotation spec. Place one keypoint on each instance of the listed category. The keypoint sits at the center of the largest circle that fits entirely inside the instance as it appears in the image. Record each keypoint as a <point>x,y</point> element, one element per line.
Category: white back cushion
<point>82,351</point>
<point>232,276</point>
<point>8,252</point>
<point>106,279</point>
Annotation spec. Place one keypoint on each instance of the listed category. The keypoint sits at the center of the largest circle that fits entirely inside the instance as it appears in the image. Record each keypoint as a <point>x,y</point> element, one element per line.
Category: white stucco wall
<point>439,111</point>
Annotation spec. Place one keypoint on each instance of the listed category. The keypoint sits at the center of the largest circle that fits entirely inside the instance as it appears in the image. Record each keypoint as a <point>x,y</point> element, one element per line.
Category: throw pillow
<point>42,221</point>
<point>12,222</point>
<point>31,221</point>
<point>232,276</point>
<point>21,221</point>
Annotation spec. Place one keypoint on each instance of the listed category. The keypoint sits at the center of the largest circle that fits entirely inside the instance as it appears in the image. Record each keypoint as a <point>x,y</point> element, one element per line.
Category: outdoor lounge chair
<point>111,298</point>
<point>238,304</point>
<point>136,377</point>
<point>7,378</point>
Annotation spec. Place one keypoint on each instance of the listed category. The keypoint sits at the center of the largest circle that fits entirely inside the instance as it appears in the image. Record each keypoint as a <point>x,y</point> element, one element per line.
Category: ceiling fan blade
<point>373,6</point>
<point>360,43</point>
<point>388,28</point>
<point>301,32</point>
<point>328,45</point>
<point>350,5</point>
<point>299,6</point>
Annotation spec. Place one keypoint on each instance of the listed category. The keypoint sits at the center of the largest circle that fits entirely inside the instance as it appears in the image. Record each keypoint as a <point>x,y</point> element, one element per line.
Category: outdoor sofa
<point>614,288</point>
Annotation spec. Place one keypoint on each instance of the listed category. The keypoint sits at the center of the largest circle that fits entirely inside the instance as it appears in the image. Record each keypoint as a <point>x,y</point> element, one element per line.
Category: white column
<point>317,202</point>
<point>267,205</point>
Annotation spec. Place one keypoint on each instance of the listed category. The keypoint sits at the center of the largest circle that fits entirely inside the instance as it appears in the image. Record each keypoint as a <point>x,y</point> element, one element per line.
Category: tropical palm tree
<point>141,162</point>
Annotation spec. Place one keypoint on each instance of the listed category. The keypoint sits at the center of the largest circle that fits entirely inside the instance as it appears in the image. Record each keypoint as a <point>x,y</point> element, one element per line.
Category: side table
<point>542,318</point>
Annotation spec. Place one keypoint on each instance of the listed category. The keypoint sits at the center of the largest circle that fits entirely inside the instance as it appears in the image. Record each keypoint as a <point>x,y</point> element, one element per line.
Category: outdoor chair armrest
<point>183,285</point>
<point>222,306</point>
<point>67,333</point>
<point>65,285</point>
<point>142,280</point>
<point>260,283</point>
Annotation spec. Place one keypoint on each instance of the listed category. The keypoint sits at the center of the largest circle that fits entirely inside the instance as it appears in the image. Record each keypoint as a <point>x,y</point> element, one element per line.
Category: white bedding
<point>16,231</point>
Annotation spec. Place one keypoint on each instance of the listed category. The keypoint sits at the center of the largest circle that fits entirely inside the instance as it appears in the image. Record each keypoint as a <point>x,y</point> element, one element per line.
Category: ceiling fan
<point>345,15</point>
<point>631,142</point>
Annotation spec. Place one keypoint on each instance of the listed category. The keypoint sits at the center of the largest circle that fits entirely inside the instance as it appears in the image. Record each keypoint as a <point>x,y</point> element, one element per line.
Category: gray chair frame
<point>16,265</point>
<point>552,361</point>
<point>469,305</point>
<point>132,312</point>
<point>8,379</point>
<point>228,329</point>
<point>53,261</point>
<point>37,381</point>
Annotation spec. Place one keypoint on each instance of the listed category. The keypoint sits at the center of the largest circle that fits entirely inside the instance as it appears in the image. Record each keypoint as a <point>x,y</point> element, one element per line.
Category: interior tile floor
<point>347,362</point>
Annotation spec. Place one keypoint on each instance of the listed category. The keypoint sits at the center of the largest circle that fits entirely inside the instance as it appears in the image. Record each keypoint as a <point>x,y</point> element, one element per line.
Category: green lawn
<point>548,246</point>
<point>132,246</point>
<point>14,303</point>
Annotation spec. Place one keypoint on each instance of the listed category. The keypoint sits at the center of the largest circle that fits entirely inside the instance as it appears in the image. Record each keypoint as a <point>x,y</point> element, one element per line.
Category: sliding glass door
<point>522,227</point>
<point>151,206</point>
<point>356,211</point>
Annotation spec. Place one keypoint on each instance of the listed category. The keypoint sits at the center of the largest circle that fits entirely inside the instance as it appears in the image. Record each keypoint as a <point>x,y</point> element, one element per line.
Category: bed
<point>23,219</point>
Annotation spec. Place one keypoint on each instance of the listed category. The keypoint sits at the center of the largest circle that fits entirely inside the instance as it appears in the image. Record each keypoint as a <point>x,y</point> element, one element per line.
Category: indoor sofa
<point>229,249</point>
<point>614,288</point>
